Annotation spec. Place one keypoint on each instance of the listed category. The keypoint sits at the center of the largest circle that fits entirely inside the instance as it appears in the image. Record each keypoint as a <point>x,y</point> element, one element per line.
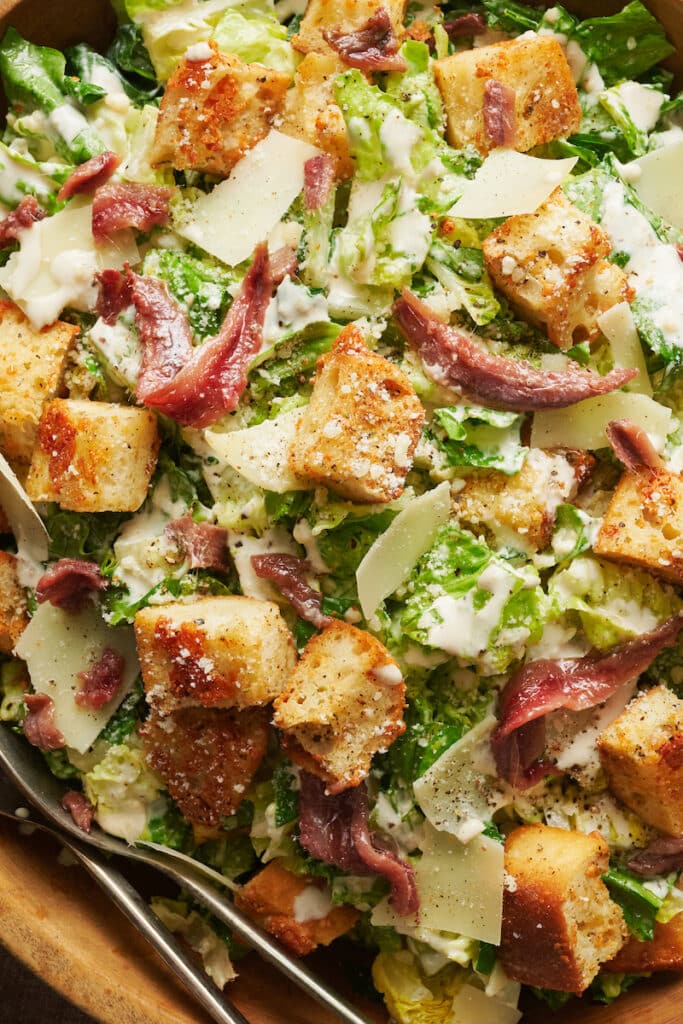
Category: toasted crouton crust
<point>31,369</point>
<point>526,502</point>
<point>216,652</point>
<point>643,525</point>
<point>358,433</point>
<point>344,703</point>
<point>641,753</point>
<point>93,456</point>
<point>273,896</point>
<point>559,923</point>
<point>663,953</point>
<point>214,110</point>
<point>207,757</point>
<point>546,101</point>
<point>550,264</point>
<point>312,113</point>
<point>349,15</point>
<point>13,612</point>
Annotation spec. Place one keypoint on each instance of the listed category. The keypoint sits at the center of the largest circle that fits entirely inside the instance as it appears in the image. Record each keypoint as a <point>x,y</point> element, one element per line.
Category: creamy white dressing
<point>655,269</point>
<point>120,346</point>
<point>303,534</point>
<point>398,135</point>
<point>19,177</point>
<point>144,558</point>
<point>292,308</point>
<point>457,626</point>
<point>571,737</point>
<point>68,122</point>
<point>312,904</point>
<point>388,675</point>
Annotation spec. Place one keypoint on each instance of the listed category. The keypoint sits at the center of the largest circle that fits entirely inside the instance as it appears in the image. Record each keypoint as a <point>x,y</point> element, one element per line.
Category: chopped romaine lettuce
<point>625,44</point>
<point>199,935</point>
<point>412,997</point>
<point>476,436</point>
<point>42,100</point>
<point>387,245</point>
<point>202,285</point>
<point>249,29</point>
<point>472,604</point>
<point>459,268</point>
<point>129,54</point>
<point>123,791</point>
<point>640,901</point>
<point>613,605</point>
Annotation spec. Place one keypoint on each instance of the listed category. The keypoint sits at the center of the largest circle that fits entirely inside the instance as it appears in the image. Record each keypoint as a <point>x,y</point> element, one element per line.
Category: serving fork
<point>131,903</point>
<point>26,769</point>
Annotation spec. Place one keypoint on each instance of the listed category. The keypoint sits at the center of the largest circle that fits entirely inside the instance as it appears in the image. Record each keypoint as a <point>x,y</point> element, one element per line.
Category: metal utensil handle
<point>222,908</point>
<point>131,903</point>
<point>22,765</point>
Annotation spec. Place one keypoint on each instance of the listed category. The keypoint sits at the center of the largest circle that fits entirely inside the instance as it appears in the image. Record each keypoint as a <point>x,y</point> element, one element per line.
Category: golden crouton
<point>31,369</point>
<point>312,113</point>
<point>216,652</point>
<point>559,923</point>
<point>358,434</point>
<point>93,456</point>
<point>643,524</point>
<point>214,110</point>
<point>282,903</point>
<point>641,754</point>
<point>550,264</point>
<point>343,704</point>
<point>347,15</point>
<point>663,953</point>
<point>546,100</point>
<point>207,757</point>
<point>525,503</point>
<point>13,614</point>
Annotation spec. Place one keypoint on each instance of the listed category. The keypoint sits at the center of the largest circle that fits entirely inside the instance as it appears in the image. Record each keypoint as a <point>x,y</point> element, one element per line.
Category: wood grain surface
<point>56,920</point>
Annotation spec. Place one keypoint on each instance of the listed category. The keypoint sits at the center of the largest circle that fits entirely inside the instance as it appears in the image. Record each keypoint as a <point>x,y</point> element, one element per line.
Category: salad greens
<point>507,572</point>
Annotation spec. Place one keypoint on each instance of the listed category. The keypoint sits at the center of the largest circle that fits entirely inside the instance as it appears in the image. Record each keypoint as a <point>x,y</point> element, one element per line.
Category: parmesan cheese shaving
<point>460,888</point>
<point>460,792</point>
<point>657,179</point>
<point>619,328</point>
<point>509,183</point>
<point>240,212</point>
<point>261,453</point>
<point>56,646</point>
<point>27,526</point>
<point>56,264</point>
<point>393,555</point>
<point>584,425</point>
<point>473,1004</point>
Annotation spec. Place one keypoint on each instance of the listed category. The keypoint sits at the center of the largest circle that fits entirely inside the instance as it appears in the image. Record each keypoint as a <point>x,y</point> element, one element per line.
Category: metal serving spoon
<point>26,769</point>
<point>129,900</point>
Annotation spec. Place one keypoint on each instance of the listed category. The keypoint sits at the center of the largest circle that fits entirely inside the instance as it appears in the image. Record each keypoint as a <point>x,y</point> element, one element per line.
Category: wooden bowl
<point>55,920</point>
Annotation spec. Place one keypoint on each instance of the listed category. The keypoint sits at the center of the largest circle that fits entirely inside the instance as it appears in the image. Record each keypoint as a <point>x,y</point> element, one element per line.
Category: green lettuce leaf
<point>458,266</point>
<point>613,604</point>
<point>34,79</point>
<point>608,42</point>
<point>249,29</point>
<point>476,436</point>
<point>386,246</point>
<point>472,604</point>
<point>201,285</point>
<point>638,901</point>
